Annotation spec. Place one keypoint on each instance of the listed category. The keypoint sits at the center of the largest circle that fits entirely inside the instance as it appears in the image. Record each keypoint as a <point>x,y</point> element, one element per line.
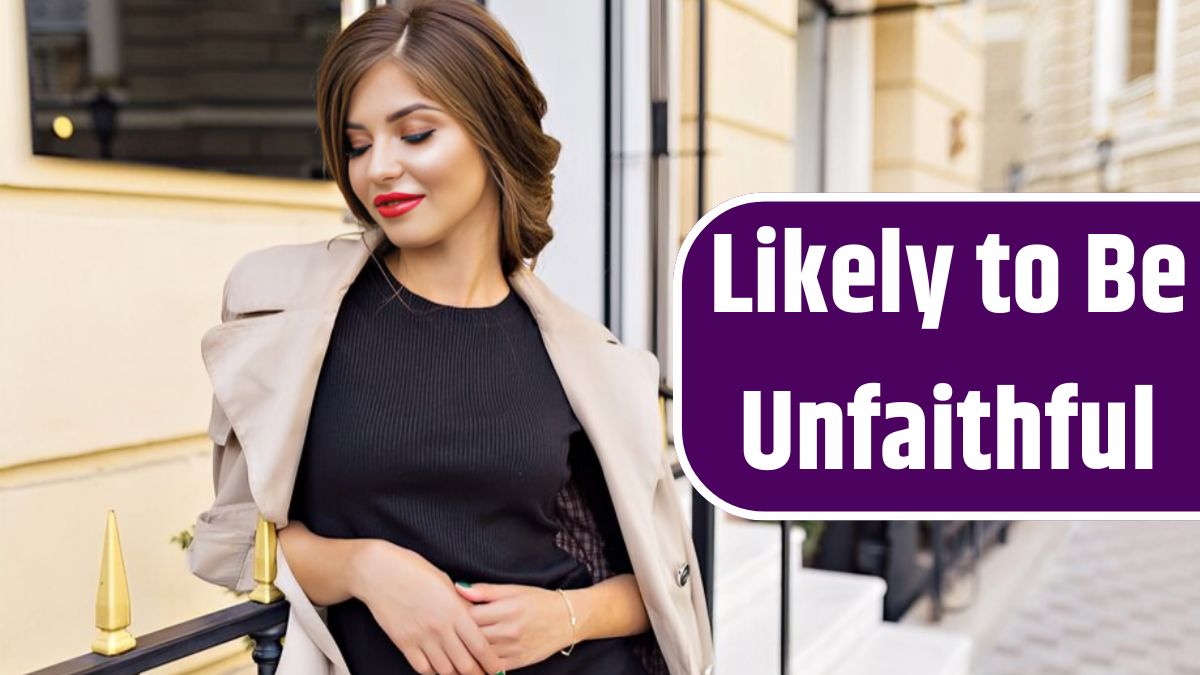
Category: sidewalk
<point>1117,598</point>
<point>1083,598</point>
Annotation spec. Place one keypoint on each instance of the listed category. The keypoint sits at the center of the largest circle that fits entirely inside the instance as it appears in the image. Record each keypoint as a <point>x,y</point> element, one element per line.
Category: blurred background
<point>146,145</point>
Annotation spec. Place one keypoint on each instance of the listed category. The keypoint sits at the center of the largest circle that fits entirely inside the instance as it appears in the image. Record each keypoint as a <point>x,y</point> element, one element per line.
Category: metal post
<point>937,535</point>
<point>267,648</point>
<point>785,594</point>
<point>661,233</point>
<point>822,18</point>
<point>702,512</point>
<point>614,144</point>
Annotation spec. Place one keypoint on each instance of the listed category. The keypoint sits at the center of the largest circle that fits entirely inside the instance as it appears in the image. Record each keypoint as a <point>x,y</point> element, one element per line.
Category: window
<point>1143,33</point>
<point>220,85</point>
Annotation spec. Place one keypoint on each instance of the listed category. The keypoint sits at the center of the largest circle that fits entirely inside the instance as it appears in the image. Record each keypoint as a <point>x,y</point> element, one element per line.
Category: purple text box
<point>825,357</point>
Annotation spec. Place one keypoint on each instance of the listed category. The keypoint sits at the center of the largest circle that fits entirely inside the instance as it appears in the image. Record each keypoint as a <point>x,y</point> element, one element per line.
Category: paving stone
<point>1118,598</point>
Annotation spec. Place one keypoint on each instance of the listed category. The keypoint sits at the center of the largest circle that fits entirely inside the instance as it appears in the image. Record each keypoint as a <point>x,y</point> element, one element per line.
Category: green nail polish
<point>467,584</point>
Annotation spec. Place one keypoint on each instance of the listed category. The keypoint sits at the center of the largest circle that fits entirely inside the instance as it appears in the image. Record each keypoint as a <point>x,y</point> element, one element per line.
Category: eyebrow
<point>398,114</point>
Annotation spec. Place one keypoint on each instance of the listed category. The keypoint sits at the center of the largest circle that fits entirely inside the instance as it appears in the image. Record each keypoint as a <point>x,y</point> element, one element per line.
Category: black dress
<point>445,430</point>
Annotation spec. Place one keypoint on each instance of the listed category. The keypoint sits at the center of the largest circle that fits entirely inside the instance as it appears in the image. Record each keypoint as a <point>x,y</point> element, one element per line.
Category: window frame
<point>21,168</point>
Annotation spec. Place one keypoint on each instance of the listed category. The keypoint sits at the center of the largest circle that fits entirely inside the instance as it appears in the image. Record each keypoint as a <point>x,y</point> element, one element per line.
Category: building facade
<point>1093,95</point>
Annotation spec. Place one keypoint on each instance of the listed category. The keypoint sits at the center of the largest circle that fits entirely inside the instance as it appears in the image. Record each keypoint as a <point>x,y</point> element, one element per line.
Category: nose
<point>386,163</point>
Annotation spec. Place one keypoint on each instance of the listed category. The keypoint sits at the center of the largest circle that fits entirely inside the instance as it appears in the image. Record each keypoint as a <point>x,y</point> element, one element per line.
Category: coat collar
<point>265,357</point>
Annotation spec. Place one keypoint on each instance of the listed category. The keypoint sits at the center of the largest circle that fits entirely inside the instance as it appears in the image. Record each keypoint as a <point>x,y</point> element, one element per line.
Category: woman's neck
<point>472,278</point>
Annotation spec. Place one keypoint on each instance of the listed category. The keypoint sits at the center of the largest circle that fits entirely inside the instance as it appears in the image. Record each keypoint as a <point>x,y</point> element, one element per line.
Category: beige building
<point>1090,96</point>
<point>901,108</point>
<point>929,100</point>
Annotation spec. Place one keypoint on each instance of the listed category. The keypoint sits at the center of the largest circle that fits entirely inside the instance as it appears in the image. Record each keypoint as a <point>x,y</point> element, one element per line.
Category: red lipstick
<point>395,204</point>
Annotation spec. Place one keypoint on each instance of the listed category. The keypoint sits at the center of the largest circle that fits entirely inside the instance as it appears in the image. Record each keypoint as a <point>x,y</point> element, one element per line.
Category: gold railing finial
<point>264,563</point>
<point>112,598</point>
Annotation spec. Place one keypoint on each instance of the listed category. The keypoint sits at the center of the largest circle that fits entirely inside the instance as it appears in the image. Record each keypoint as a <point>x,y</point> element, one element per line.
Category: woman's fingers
<point>437,658</point>
<point>464,662</point>
<point>416,659</point>
<point>498,633</point>
<point>468,592</point>
<point>488,613</point>
<point>484,592</point>
<point>475,641</point>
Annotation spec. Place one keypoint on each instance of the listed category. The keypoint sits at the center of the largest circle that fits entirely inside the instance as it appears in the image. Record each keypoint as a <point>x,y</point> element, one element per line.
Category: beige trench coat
<point>264,358</point>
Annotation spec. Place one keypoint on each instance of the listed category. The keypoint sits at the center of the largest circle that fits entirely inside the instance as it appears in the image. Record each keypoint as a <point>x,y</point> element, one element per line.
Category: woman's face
<point>401,143</point>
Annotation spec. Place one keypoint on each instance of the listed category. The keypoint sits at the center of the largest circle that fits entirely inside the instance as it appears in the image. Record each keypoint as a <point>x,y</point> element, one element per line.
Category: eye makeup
<point>412,139</point>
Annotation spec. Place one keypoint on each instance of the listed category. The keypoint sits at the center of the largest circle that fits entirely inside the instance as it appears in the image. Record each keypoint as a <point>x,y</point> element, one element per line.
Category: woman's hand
<point>415,604</point>
<point>525,624</point>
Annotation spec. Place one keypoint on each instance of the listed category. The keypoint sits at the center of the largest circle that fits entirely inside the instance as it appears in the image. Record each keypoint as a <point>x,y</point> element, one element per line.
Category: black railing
<point>264,624</point>
<point>957,547</point>
<point>915,558</point>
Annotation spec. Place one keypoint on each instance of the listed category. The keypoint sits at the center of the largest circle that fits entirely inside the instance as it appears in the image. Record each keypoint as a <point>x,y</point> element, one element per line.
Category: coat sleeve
<point>222,549</point>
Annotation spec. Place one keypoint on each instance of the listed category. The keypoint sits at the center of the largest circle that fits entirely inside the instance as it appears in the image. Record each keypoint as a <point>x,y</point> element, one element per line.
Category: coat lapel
<point>265,358</point>
<point>606,384</point>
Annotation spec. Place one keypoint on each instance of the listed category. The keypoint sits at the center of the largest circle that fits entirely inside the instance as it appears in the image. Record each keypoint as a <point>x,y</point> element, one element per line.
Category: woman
<point>440,448</point>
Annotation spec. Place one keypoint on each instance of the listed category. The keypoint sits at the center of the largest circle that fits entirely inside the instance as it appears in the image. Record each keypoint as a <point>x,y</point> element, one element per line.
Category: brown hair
<point>464,59</point>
